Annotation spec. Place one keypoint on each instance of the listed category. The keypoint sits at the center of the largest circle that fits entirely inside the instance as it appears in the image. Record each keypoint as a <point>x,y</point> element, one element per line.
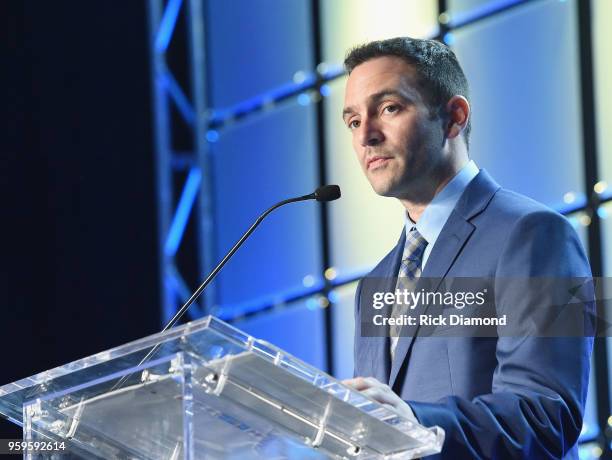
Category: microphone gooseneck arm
<point>179,314</point>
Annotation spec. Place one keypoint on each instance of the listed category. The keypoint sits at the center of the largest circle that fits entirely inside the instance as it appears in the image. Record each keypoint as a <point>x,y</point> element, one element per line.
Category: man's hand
<point>380,392</point>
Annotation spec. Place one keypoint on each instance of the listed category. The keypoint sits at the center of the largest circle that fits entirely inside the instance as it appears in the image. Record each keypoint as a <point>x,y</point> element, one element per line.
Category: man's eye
<point>391,108</point>
<point>353,124</point>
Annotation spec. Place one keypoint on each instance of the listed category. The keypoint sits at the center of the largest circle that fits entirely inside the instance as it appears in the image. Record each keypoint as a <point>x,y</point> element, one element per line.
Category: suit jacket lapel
<point>380,353</point>
<point>448,245</point>
<point>451,240</point>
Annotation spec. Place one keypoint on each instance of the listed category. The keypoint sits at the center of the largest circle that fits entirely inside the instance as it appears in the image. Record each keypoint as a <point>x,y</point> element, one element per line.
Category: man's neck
<point>428,190</point>
<point>415,209</point>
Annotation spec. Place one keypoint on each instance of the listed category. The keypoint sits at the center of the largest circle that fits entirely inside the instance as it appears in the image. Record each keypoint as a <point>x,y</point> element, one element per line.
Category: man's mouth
<point>376,161</point>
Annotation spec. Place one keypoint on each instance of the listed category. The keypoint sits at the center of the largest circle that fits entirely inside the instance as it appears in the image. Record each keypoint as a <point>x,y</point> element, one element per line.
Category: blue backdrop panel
<point>461,10</point>
<point>257,163</point>
<point>297,329</point>
<point>523,71</point>
<point>255,46</point>
<point>461,6</point>
<point>602,54</point>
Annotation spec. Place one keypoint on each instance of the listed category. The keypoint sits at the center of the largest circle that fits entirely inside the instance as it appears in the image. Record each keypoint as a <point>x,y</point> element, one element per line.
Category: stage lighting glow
<point>323,302</point>
<point>331,273</point>
<point>303,99</point>
<point>602,213</point>
<point>600,187</point>
<point>569,197</point>
<point>299,76</point>
<point>212,136</point>
<point>585,220</point>
<point>308,281</point>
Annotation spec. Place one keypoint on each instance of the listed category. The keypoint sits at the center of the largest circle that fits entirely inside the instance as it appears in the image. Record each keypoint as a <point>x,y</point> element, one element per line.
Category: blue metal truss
<point>195,195</point>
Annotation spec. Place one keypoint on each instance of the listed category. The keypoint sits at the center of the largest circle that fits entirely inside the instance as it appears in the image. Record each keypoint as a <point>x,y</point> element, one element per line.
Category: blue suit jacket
<point>506,397</point>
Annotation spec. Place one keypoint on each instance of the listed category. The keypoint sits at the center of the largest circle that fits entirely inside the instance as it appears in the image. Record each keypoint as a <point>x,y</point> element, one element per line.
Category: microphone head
<point>327,193</point>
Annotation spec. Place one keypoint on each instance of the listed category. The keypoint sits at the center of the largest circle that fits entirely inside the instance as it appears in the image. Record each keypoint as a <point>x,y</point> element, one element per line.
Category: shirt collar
<point>437,212</point>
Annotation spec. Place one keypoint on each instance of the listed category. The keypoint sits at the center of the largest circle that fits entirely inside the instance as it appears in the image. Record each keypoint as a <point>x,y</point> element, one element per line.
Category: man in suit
<point>512,396</point>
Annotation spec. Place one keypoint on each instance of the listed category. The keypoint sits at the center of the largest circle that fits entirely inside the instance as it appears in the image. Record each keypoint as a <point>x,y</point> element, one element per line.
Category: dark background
<point>78,218</point>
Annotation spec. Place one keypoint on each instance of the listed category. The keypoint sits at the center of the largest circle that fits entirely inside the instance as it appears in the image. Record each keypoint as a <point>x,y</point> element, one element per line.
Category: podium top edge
<point>118,351</point>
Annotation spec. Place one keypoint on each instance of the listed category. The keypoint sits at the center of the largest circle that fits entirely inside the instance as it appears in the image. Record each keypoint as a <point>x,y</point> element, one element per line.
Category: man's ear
<point>458,114</point>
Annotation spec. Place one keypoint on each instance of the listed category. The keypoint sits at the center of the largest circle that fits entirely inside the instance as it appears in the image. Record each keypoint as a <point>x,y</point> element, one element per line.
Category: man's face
<point>398,143</point>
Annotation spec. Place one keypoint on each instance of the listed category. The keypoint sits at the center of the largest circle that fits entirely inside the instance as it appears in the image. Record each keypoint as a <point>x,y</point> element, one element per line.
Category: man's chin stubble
<point>417,192</point>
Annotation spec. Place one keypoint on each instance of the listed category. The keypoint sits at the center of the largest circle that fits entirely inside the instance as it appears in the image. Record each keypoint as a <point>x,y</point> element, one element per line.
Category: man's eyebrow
<point>376,97</point>
<point>390,92</point>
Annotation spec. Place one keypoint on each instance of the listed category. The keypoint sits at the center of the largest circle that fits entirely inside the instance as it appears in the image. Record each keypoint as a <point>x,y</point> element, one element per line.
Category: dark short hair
<point>438,71</point>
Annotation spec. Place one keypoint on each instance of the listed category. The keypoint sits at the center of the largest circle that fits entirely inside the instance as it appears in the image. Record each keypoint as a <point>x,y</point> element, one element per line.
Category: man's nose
<point>370,133</point>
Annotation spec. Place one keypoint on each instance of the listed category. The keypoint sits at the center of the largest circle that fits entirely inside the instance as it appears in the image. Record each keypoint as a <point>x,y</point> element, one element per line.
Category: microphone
<point>322,194</point>
<point>327,193</point>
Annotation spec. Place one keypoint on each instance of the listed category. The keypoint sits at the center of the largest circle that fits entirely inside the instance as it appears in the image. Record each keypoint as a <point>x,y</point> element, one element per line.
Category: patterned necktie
<point>409,272</point>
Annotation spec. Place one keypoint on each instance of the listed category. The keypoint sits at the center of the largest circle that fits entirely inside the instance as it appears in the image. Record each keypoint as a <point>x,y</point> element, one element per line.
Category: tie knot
<point>415,245</point>
<point>414,248</point>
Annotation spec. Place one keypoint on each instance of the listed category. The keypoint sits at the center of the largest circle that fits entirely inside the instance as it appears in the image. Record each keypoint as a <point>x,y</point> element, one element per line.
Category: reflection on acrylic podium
<point>206,390</point>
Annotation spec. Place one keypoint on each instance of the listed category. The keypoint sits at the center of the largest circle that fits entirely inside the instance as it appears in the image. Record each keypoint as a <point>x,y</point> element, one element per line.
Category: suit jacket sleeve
<point>539,386</point>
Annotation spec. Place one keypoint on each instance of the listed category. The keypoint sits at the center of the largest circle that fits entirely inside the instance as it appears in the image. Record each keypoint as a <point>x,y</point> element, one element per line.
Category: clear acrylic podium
<point>207,391</point>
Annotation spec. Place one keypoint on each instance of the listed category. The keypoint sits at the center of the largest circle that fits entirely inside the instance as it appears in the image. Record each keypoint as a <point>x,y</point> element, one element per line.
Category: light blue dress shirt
<point>437,212</point>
